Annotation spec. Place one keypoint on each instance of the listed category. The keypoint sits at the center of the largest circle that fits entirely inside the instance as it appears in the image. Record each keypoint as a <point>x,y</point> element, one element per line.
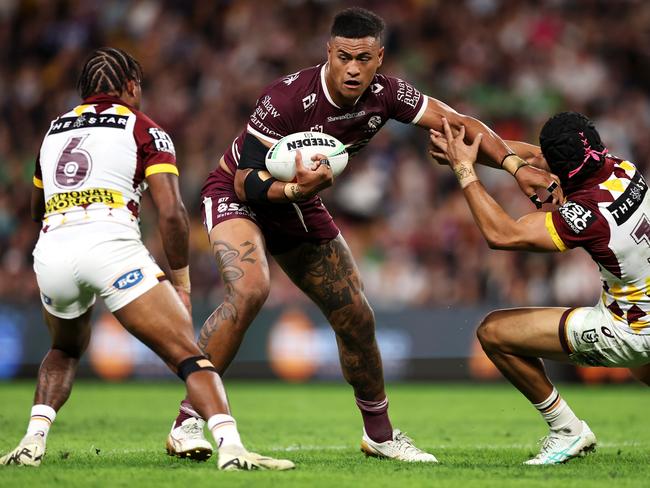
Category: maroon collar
<point>105,98</point>
<point>594,179</point>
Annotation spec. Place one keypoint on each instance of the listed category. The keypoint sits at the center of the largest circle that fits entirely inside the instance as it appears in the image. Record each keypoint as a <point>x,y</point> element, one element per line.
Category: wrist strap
<point>511,163</point>
<point>293,193</point>
<point>181,278</point>
<point>465,174</point>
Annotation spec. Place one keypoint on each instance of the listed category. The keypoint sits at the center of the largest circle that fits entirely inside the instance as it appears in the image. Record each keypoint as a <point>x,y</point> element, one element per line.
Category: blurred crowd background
<point>511,63</point>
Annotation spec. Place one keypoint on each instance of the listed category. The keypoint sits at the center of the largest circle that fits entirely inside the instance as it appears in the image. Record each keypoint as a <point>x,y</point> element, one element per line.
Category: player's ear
<point>329,50</point>
<point>380,56</point>
<point>131,88</point>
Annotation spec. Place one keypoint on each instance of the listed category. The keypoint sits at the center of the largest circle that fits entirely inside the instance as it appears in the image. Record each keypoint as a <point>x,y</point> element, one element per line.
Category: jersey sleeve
<point>274,115</point>
<point>405,102</point>
<point>37,179</point>
<point>576,224</point>
<point>156,153</point>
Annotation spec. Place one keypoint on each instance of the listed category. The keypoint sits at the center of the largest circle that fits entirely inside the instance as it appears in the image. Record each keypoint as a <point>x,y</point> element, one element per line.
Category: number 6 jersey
<point>94,160</point>
<point>609,216</point>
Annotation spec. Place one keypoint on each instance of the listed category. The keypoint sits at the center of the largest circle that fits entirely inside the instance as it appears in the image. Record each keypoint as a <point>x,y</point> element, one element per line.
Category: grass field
<point>113,435</point>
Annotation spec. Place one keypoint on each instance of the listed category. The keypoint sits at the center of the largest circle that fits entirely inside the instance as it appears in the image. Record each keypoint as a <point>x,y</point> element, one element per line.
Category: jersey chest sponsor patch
<point>577,217</point>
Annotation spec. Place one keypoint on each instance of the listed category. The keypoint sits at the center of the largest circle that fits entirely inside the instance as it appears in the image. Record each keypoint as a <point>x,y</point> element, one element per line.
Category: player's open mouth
<point>352,83</point>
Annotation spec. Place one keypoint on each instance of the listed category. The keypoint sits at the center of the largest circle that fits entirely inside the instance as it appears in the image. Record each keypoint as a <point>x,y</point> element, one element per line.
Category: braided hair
<point>107,70</point>
<point>572,146</point>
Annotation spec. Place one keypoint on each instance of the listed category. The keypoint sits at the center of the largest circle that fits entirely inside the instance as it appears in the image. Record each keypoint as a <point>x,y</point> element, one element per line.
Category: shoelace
<point>405,443</point>
<point>193,428</point>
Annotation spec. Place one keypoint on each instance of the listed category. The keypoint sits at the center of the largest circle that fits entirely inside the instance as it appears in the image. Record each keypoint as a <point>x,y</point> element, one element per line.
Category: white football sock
<point>224,431</point>
<point>558,414</point>
<point>41,420</point>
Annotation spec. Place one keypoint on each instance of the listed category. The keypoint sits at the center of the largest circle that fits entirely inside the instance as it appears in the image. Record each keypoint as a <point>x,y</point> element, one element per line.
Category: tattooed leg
<point>238,248</point>
<point>328,275</point>
<point>56,374</point>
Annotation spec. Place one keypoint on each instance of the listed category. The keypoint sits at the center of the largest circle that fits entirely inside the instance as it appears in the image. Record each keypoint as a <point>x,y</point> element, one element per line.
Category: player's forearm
<point>175,232</point>
<point>493,149</point>
<point>495,224</point>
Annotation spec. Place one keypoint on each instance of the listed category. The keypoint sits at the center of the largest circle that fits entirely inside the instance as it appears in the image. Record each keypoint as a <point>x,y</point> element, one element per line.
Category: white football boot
<point>187,440</point>
<point>29,452</point>
<point>400,447</point>
<point>558,447</point>
<point>239,459</point>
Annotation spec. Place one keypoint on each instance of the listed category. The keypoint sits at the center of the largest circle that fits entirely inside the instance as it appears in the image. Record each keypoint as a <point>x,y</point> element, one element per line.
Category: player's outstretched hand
<point>314,178</point>
<point>444,146</point>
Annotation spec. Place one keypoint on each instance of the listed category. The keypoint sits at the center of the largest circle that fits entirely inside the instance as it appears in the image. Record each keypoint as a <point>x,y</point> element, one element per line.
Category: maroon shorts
<point>284,226</point>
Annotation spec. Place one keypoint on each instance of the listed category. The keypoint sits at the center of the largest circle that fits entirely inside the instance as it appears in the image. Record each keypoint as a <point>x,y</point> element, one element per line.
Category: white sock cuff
<point>552,398</point>
<point>40,411</point>
<point>220,420</point>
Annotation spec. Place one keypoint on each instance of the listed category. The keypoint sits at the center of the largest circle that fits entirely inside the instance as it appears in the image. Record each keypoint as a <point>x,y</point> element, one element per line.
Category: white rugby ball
<point>281,158</point>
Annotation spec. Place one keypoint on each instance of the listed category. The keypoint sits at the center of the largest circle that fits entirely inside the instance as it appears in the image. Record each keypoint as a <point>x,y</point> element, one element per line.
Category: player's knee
<point>355,322</point>
<point>248,297</point>
<point>487,332</point>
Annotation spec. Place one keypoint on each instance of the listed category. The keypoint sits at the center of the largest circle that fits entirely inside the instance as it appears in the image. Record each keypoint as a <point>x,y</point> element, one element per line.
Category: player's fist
<point>310,179</point>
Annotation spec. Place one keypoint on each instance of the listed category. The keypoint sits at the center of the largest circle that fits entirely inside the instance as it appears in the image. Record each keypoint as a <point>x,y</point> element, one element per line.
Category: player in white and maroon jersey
<point>247,212</point>
<point>93,165</point>
<point>606,212</point>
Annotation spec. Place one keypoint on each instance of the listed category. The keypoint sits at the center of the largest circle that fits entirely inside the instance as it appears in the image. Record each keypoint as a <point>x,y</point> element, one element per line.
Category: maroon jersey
<point>609,216</point>
<point>295,103</point>
<point>301,102</point>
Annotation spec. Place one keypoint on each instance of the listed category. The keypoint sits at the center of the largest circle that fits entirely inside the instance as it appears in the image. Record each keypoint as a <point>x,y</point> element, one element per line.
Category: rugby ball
<point>281,158</point>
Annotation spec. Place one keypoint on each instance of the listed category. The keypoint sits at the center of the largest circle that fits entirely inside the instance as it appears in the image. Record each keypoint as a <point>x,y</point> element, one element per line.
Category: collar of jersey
<point>326,91</point>
<point>103,97</point>
<point>598,177</point>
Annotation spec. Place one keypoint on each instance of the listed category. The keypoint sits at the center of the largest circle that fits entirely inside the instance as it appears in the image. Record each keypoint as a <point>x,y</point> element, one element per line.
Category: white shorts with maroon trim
<point>75,263</point>
<point>591,337</point>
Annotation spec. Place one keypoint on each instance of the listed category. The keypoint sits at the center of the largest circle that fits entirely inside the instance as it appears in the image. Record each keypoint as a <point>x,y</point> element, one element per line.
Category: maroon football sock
<point>375,419</point>
<point>185,412</point>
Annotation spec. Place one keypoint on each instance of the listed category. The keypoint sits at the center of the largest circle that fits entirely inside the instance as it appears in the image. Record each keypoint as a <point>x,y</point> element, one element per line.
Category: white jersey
<point>93,163</point>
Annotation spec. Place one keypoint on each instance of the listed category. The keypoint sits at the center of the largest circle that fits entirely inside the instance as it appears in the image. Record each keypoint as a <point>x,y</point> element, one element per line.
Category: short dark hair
<point>107,70</point>
<point>356,23</point>
<point>571,146</point>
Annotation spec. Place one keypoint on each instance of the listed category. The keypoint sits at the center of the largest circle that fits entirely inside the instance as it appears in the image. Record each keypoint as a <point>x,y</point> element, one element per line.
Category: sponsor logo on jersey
<point>63,124</point>
<point>310,141</point>
<point>630,200</point>
<point>407,94</point>
<point>374,122</point>
<point>161,140</point>
<point>268,106</point>
<point>291,78</point>
<point>127,280</point>
<point>308,101</point>
<point>349,115</point>
<point>60,202</point>
<point>576,216</point>
<point>590,336</point>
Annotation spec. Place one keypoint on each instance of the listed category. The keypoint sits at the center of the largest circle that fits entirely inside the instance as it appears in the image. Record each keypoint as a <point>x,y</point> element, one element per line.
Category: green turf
<point>113,435</point>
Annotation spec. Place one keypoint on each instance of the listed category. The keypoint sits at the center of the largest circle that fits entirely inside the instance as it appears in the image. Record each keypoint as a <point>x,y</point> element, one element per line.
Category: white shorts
<point>73,264</point>
<point>591,338</point>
